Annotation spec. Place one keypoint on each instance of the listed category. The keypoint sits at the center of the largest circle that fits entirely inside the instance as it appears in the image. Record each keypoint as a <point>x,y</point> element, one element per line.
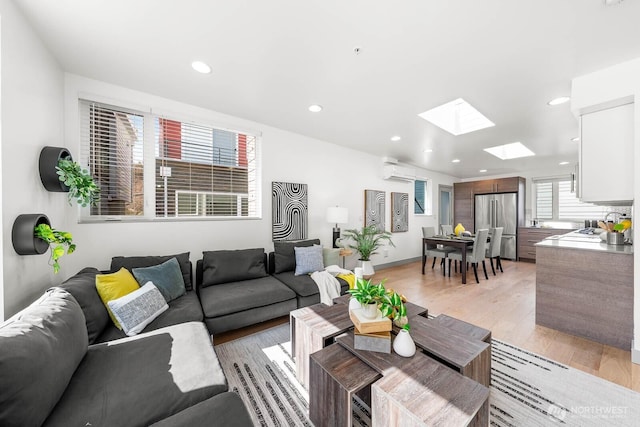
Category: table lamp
<point>337,215</point>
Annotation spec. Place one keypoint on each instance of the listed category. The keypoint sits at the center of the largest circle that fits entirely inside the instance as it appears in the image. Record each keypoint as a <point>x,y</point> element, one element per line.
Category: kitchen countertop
<point>575,240</point>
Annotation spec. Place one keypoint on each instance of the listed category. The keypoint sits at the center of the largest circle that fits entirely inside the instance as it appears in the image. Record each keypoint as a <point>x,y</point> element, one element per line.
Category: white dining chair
<point>493,251</point>
<point>477,254</point>
<point>436,253</point>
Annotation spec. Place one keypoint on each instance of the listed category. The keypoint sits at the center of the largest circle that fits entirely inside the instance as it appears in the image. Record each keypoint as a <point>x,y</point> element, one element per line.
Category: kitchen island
<point>584,287</point>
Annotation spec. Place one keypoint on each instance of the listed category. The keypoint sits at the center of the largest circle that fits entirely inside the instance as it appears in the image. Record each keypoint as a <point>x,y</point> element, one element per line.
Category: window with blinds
<point>422,204</point>
<point>198,170</point>
<point>554,200</point>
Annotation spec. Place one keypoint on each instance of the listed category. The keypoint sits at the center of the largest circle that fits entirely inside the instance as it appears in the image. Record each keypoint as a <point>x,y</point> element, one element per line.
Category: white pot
<point>370,311</point>
<point>353,304</point>
<point>367,268</point>
<point>403,344</point>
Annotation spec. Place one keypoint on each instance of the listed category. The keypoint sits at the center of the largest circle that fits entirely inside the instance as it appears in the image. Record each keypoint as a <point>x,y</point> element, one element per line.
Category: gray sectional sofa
<point>63,363</point>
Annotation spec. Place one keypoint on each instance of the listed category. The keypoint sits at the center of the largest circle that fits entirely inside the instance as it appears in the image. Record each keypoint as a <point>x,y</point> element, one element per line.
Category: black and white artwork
<point>374,202</point>
<point>399,212</point>
<point>289,211</point>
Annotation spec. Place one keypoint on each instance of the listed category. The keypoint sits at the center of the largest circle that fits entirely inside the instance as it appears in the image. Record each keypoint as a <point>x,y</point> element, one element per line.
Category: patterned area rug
<point>526,389</point>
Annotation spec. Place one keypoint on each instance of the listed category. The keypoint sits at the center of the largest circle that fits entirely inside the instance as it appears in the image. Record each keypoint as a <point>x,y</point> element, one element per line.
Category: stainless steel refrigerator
<point>499,210</point>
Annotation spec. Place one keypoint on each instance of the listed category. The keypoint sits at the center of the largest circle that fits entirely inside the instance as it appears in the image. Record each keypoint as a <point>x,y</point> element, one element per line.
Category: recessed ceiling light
<point>455,161</point>
<point>315,108</point>
<point>576,139</point>
<point>482,170</point>
<point>611,2</point>
<point>201,67</point>
<point>559,100</point>
<point>428,150</point>
<point>510,151</point>
<point>457,117</point>
<point>395,138</point>
<point>563,163</point>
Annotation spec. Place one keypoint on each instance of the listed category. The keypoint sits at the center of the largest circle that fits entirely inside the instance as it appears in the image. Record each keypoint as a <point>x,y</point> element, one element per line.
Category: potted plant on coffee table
<point>373,297</point>
<point>57,240</point>
<point>367,241</point>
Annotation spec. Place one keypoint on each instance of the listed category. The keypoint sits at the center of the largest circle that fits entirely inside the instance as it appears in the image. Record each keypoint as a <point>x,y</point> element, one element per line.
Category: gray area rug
<point>526,389</point>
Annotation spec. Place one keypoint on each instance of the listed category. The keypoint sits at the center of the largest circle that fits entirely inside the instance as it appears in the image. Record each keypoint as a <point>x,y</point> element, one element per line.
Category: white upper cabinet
<point>606,156</point>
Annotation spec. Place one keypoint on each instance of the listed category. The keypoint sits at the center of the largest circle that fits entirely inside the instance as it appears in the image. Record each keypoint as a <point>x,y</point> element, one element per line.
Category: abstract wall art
<point>399,212</point>
<point>374,202</point>
<point>289,211</point>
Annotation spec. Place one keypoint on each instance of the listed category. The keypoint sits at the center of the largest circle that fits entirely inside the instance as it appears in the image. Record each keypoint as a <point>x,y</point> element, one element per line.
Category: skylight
<point>457,117</point>
<point>510,151</point>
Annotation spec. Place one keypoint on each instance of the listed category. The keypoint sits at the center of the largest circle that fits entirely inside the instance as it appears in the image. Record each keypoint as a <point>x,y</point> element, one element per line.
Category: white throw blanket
<point>328,285</point>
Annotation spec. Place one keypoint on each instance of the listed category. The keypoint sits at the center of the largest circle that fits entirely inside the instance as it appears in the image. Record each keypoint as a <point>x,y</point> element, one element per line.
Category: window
<point>555,201</point>
<point>194,170</point>
<point>422,202</point>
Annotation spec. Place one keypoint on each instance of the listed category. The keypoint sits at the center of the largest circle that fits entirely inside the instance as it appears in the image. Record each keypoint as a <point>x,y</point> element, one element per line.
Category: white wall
<point>605,88</point>
<point>32,117</point>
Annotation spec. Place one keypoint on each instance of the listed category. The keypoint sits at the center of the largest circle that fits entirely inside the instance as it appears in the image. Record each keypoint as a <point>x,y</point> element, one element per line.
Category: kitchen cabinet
<point>463,205</point>
<point>529,236</point>
<point>502,185</point>
<point>606,156</point>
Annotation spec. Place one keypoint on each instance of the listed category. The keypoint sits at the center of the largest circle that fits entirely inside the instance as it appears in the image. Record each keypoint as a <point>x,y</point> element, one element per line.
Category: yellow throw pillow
<point>113,286</point>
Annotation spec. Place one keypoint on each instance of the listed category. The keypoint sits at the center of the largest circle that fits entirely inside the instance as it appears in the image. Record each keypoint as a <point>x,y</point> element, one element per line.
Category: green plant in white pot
<point>57,240</point>
<point>82,188</point>
<point>373,297</point>
<point>367,241</point>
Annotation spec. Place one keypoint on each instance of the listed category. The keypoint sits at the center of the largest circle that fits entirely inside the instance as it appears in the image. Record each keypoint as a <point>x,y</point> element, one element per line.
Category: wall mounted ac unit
<point>399,172</point>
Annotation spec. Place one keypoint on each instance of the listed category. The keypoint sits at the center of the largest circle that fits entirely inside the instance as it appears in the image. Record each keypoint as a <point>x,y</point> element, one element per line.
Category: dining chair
<point>447,229</point>
<point>477,254</point>
<point>493,251</point>
<point>436,253</point>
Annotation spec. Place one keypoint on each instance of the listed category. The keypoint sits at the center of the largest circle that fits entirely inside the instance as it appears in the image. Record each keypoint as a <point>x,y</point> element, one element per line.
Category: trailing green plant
<point>57,240</point>
<point>389,302</point>
<point>80,182</point>
<point>368,240</point>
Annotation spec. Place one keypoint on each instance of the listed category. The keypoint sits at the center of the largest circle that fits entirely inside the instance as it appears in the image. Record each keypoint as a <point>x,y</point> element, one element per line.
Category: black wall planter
<point>23,235</point>
<point>49,157</point>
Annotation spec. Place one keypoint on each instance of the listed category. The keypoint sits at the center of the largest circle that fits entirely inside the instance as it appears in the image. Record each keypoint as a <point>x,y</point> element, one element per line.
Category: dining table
<point>461,243</point>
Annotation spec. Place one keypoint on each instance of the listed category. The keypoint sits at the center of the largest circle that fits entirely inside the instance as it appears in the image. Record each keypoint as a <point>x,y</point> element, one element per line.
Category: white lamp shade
<point>337,215</point>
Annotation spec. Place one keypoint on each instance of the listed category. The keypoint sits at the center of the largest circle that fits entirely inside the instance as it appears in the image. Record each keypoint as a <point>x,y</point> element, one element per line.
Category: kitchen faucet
<point>613,213</point>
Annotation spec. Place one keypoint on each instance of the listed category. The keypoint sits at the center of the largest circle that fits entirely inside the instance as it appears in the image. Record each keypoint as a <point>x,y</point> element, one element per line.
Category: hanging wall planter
<point>49,158</point>
<point>22,235</point>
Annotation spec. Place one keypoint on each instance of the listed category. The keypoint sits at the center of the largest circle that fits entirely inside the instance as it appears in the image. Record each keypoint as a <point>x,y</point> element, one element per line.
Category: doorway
<point>445,204</point>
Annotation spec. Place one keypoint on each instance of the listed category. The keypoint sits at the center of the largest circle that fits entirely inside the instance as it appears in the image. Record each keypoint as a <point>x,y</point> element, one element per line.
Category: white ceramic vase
<point>367,268</point>
<point>370,311</point>
<point>403,344</point>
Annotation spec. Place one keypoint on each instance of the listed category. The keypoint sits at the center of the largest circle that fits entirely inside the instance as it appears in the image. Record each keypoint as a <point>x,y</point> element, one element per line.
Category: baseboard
<point>397,263</point>
<point>635,353</point>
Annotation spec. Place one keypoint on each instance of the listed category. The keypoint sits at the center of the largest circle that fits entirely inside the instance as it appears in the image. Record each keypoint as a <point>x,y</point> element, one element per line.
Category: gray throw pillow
<point>308,260</point>
<point>40,349</point>
<point>167,277</point>
<point>284,256</point>
<point>136,310</point>
<point>131,262</point>
<point>232,266</point>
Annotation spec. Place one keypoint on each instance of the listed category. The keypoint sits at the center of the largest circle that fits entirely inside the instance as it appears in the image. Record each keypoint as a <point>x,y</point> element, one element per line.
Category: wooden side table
<point>344,253</point>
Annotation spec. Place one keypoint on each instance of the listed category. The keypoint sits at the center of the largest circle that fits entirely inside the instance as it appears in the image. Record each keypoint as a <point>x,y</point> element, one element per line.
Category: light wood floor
<point>505,304</point>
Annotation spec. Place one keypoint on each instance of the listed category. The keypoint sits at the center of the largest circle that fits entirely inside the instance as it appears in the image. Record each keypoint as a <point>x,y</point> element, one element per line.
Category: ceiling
<point>272,59</point>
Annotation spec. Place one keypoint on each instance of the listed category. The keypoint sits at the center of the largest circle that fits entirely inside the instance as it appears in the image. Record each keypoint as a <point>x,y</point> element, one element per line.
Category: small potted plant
<point>80,182</point>
<point>57,240</point>
<point>373,297</point>
<point>367,241</point>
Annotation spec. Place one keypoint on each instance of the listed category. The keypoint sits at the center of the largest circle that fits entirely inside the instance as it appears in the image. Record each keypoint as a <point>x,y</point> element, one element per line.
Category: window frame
<point>150,158</point>
<point>428,196</point>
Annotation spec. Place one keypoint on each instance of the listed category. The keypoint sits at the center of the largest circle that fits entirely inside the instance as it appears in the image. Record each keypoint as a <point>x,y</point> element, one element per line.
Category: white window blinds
<point>554,200</point>
<point>193,169</point>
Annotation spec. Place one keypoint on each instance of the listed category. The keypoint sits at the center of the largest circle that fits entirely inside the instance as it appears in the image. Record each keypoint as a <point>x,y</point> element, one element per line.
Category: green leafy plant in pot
<point>57,240</point>
<point>367,241</point>
<point>373,297</point>
<point>82,188</point>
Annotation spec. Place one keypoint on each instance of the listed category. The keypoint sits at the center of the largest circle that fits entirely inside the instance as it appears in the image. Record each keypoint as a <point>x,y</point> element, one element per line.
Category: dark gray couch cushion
<point>40,348</point>
<point>225,409</point>
<point>232,266</point>
<point>139,380</point>
<point>184,309</point>
<point>132,262</point>
<point>304,285</point>
<point>82,287</point>
<point>234,297</point>
<point>285,258</point>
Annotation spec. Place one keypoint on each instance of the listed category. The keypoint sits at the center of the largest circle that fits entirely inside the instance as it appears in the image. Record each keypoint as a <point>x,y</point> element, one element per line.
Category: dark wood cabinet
<point>463,205</point>
<point>529,236</point>
<point>491,186</point>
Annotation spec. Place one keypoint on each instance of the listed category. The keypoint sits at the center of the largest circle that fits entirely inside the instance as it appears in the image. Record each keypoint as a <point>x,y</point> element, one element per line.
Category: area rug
<point>526,389</point>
